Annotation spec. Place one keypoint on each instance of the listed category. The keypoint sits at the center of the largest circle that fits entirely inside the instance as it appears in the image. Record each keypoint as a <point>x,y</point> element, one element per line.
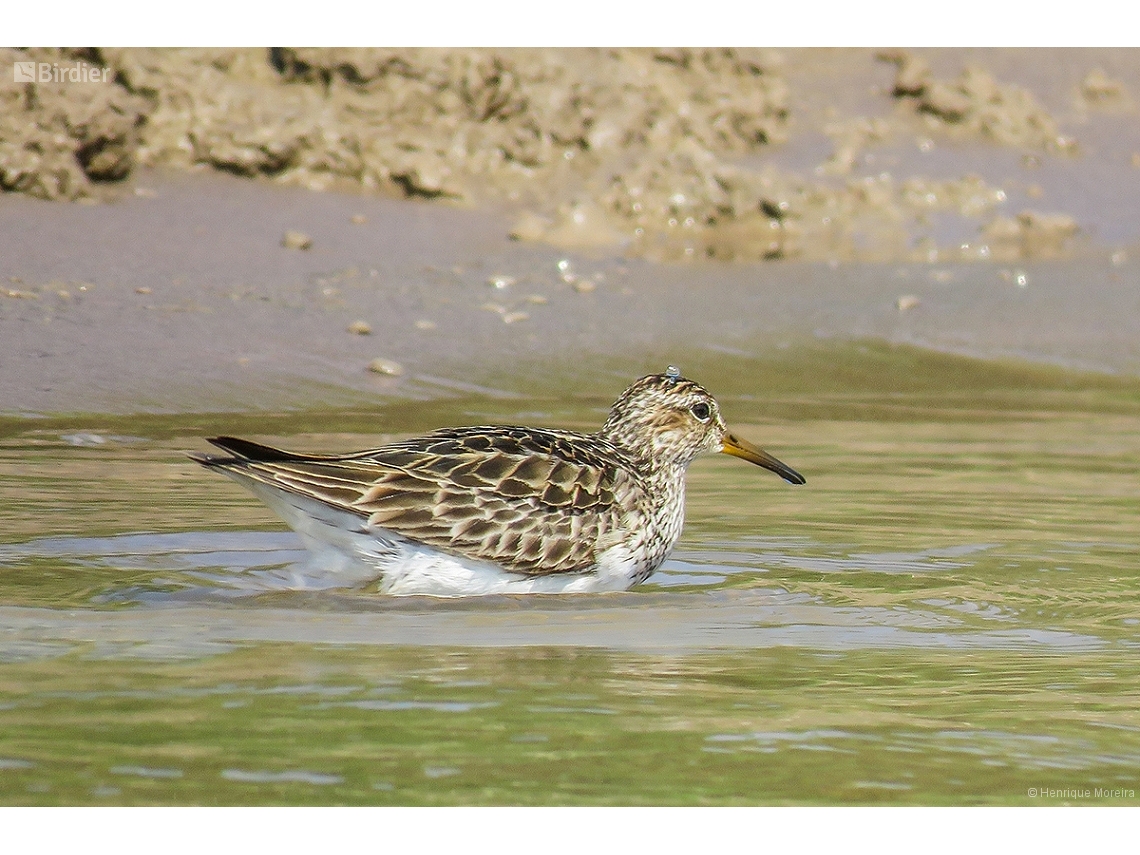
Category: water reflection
<point>184,588</point>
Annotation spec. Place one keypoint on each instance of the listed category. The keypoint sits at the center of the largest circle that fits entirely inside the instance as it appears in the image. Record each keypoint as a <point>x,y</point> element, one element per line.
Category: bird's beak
<point>745,450</point>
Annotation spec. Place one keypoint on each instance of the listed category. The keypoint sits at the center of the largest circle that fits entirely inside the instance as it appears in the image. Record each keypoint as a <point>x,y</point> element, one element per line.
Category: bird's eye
<point>701,411</point>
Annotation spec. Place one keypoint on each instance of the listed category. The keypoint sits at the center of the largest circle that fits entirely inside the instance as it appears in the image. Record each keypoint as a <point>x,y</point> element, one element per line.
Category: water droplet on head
<point>673,373</point>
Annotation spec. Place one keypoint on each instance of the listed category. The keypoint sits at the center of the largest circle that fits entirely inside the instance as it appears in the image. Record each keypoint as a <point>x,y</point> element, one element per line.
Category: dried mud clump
<point>1099,90</point>
<point>976,103</point>
<point>224,108</point>
<point>471,123</point>
<point>1030,235</point>
<point>59,138</point>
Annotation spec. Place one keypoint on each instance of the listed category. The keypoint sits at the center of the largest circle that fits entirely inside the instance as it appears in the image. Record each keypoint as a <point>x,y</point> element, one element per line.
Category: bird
<point>466,511</point>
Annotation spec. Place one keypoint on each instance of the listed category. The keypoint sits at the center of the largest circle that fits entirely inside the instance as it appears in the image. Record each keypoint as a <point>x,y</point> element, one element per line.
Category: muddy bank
<point>665,154</point>
<point>187,297</point>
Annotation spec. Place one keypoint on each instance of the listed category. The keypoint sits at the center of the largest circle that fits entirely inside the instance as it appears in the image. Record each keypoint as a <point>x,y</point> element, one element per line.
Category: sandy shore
<point>184,299</point>
<point>182,289</point>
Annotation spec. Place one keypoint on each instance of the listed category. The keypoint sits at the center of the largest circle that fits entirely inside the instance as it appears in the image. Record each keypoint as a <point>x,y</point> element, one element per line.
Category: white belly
<point>343,545</point>
<point>420,570</point>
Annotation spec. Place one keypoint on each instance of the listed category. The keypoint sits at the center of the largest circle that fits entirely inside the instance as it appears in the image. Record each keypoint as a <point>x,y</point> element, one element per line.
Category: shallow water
<point>947,613</point>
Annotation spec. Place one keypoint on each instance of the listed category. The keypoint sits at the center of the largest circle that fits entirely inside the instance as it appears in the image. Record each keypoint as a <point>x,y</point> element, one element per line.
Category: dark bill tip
<point>745,450</point>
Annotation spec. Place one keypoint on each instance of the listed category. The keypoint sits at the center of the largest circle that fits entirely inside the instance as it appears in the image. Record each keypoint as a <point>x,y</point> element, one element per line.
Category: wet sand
<point>186,301</point>
<point>180,291</point>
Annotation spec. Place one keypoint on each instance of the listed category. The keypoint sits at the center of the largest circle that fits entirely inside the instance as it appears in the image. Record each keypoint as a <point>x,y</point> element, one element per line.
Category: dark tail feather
<point>242,450</point>
<point>252,450</point>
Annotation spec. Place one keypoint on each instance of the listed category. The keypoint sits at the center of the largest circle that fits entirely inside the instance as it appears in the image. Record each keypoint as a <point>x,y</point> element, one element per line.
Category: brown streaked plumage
<point>501,509</point>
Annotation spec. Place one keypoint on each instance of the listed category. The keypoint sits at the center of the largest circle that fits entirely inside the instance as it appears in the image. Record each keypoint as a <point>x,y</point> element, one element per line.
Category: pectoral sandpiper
<point>482,510</point>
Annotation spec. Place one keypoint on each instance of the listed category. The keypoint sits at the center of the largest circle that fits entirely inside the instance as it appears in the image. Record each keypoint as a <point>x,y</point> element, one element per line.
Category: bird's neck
<point>648,460</point>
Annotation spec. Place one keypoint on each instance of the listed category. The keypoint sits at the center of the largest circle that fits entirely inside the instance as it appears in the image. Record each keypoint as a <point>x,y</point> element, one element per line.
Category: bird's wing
<point>533,502</point>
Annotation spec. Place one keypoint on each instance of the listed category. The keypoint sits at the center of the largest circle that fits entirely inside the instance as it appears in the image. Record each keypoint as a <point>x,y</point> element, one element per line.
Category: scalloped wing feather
<point>531,501</point>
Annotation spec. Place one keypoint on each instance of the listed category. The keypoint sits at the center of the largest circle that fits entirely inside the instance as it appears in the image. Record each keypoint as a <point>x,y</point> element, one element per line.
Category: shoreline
<point>183,299</point>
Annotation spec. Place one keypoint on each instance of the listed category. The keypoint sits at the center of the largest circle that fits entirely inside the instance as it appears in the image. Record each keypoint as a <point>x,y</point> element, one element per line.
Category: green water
<point>947,613</point>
